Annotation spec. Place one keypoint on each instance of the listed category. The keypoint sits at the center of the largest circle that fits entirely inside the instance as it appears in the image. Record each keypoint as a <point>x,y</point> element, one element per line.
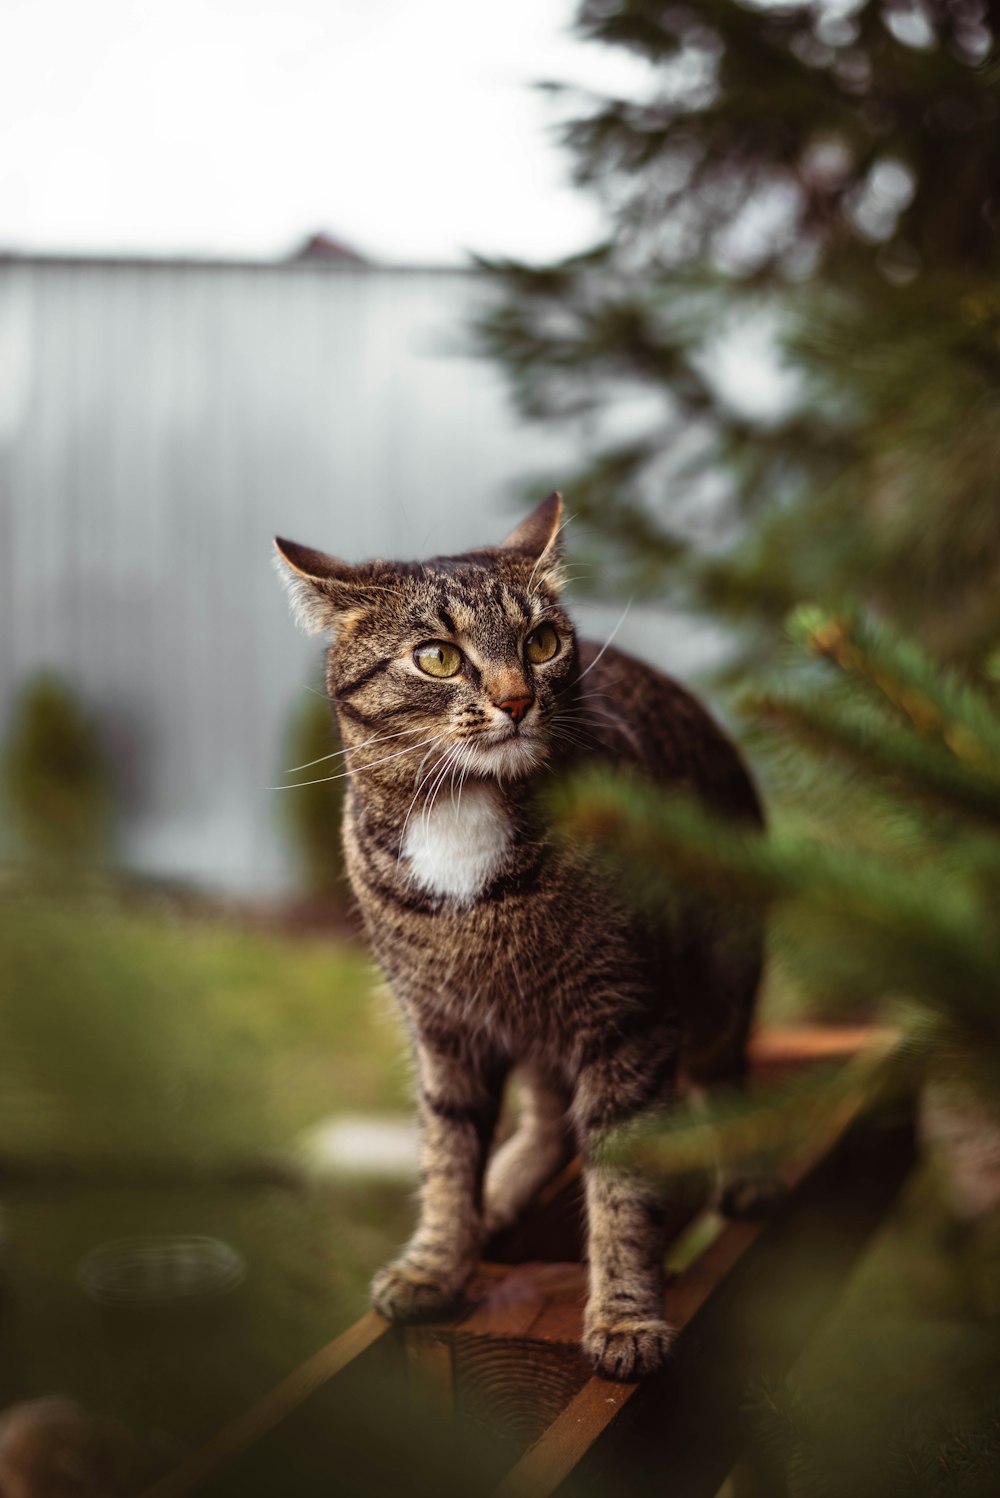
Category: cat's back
<point>631,715</point>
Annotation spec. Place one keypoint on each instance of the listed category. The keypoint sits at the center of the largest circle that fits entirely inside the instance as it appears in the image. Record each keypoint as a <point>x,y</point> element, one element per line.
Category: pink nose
<point>516,707</point>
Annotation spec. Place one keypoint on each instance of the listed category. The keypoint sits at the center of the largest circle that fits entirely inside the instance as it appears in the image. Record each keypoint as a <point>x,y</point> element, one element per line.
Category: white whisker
<point>410,749</point>
<point>379,738</point>
<point>607,642</point>
<point>419,783</point>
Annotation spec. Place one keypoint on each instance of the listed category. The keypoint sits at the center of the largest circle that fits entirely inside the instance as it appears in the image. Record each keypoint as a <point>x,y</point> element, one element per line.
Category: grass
<point>144,1055</point>
<point>206,1040</point>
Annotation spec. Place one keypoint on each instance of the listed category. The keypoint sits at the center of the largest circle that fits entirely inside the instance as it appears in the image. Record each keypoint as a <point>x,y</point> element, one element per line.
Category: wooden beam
<point>516,1351</point>
<point>746,1307</point>
<point>249,1428</point>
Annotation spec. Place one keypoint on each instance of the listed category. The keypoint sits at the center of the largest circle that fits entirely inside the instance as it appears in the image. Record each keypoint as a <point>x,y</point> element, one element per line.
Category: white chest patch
<point>458,847</point>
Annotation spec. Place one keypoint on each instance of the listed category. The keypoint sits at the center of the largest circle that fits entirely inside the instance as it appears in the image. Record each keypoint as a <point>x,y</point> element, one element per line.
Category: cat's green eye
<point>542,644</point>
<point>438,658</point>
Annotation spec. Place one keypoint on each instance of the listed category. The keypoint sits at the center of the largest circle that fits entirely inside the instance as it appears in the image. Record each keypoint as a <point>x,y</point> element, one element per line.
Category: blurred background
<point>377,276</point>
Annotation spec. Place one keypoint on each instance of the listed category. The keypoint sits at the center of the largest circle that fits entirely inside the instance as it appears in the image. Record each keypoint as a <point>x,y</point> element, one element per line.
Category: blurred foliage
<point>782,367</point>
<point>157,1071</point>
<point>56,781</point>
<point>822,177</point>
<point>312,809</point>
<point>891,915</point>
<point>132,1036</point>
<point>904,923</point>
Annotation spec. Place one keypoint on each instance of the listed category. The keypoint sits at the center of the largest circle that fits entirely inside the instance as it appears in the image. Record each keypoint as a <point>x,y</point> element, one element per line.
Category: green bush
<point>56,780</point>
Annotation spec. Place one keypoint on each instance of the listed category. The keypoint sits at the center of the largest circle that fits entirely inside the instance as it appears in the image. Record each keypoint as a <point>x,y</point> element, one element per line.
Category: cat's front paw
<point>627,1350</point>
<point>403,1293</point>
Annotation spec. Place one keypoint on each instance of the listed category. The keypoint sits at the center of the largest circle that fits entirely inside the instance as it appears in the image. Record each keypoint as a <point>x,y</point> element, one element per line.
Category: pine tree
<point>823,177</point>
<point>892,912</point>
<point>827,174</point>
<point>904,908</point>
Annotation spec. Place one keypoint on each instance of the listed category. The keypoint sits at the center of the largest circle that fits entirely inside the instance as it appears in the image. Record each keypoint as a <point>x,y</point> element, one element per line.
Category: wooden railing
<point>499,1401</point>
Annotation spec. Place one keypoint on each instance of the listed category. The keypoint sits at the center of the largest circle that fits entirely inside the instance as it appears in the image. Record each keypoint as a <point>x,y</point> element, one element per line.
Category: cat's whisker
<point>577,717</point>
<point>584,715</point>
<point>577,740</point>
<point>436,787</point>
<point>438,769</point>
<point>454,768</point>
<point>322,780</point>
<point>607,642</point>
<point>420,780</point>
<point>379,738</point>
<point>465,767</point>
<point>466,770</point>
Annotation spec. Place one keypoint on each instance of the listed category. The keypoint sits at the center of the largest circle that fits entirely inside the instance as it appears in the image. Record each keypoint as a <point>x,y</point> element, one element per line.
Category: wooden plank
<point>854,1181</point>
<point>683,1429</point>
<point>533,1316</point>
<point>431,1361</point>
<point>795,1045</point>
<point>551,1460</point>
<point>547,1465</point>
<point>514,1305</point>
<point>249,1427</point>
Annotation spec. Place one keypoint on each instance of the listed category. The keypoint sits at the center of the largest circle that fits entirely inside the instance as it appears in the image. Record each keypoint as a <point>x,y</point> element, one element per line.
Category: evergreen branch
<point>779,1122</point>
<point>878,745</point>
<point>891,928</point>
<point>937,702</point>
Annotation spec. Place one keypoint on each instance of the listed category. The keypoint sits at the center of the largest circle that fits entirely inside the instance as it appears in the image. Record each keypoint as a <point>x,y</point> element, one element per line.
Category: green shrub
<point>56,780</point>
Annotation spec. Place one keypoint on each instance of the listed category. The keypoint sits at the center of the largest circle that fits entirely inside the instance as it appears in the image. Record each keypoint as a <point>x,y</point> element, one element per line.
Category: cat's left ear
<point>323,591</point>
<point>538,538</point>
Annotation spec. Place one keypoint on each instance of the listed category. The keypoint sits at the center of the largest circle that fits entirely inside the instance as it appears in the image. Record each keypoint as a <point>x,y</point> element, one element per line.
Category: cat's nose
<point>515,707</point>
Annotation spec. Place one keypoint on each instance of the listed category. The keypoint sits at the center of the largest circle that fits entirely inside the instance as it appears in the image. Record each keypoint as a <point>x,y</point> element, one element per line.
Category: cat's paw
<point>627,1350</point>
<point>403,1293</point>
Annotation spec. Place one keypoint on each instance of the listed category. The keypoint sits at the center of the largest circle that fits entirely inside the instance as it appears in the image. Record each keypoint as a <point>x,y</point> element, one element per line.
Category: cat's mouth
<point>510,755</point>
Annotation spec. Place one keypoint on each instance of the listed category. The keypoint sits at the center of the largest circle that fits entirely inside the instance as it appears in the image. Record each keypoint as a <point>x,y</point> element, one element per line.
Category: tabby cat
<point>461,691</point>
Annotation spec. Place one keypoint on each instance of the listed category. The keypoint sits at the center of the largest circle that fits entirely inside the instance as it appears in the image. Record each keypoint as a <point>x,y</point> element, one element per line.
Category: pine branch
<point>880,925</point>
<point>880,746</point>
<point>766,1126</point>
<point>937,702</point>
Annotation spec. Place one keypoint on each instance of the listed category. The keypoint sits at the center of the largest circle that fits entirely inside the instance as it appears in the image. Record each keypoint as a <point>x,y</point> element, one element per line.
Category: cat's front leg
<point>625,1335</point>
<point>459,1106</point>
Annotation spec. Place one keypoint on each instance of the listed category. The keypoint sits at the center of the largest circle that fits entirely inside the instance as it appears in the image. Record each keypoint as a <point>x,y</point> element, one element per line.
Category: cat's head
<point>466,658</point>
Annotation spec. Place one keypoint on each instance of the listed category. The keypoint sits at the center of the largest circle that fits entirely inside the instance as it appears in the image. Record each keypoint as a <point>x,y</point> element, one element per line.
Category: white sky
<point>406,127</point>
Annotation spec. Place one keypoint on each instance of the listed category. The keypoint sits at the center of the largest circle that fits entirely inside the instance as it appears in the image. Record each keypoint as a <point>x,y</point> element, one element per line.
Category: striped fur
<point>508,950</point>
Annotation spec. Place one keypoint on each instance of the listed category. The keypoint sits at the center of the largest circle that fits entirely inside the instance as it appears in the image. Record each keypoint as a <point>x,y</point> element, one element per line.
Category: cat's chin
<point>513,758</point>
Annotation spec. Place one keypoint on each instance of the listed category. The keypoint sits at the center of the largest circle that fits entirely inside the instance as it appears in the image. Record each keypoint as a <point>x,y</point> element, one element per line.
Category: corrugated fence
<point>158,423</point>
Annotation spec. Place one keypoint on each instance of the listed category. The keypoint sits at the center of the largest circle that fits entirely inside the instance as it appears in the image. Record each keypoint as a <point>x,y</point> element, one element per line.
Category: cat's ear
<point>538,536</point>
<point>322,589</point>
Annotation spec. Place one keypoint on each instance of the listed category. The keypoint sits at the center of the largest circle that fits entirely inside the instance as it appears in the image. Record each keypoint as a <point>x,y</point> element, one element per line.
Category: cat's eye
<point>542,644</point>
<point>438,658</point>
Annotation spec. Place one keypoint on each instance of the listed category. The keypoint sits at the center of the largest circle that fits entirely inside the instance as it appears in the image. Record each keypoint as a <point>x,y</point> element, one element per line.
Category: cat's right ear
<point>538,536</point>
<point>321,589</point>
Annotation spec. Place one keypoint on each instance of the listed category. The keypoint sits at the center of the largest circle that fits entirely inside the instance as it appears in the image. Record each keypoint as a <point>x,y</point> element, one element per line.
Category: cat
<point>460,691</point>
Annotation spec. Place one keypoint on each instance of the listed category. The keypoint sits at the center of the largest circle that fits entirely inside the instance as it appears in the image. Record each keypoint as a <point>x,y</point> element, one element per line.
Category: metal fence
<point>159,421</point>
